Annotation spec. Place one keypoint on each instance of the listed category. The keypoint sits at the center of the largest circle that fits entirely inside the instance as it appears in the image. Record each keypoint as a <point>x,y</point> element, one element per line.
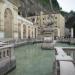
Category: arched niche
<point>8,22</point>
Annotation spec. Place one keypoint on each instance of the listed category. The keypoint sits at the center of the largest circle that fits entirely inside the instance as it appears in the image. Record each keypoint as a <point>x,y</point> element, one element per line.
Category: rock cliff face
<point>33,7</point>
<point>30,7</point>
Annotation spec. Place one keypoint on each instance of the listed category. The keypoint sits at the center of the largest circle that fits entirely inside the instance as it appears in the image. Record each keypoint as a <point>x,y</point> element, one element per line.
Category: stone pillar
<point>71,32</point>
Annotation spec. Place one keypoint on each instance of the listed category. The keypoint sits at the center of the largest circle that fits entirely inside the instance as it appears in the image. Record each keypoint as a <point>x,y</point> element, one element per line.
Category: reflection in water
<point>31,60</point>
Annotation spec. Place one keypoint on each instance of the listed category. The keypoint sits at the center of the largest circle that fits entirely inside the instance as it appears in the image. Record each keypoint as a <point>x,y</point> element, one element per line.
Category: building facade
<point>54,23</point>
<point>12,25</point>
<point>26,29</point>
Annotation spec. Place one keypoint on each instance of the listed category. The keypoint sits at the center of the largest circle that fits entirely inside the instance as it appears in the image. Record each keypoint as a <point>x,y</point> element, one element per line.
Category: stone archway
<point>8,21</point>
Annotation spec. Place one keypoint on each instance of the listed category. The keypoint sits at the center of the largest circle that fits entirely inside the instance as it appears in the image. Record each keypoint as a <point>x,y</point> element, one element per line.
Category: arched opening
<point>19,30</point>
<point>24,31</point>
<point>8,21</point>
<point>29,32</point>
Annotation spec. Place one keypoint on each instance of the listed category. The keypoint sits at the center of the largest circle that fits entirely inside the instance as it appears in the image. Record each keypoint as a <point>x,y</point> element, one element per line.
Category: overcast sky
<point>67,5</point>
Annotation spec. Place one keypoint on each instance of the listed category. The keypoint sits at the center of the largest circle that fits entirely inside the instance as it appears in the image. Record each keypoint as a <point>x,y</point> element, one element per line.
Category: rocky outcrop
<point>33,7</point>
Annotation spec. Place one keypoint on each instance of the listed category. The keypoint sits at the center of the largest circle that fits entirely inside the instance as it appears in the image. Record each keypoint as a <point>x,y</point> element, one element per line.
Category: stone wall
<point>54,20</point>
<point>26,29</point>
<point>9,23</point>
<point>4,6</point>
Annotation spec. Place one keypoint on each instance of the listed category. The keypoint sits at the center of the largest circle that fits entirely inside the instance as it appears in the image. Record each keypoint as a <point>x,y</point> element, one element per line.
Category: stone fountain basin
<point>49,46</point>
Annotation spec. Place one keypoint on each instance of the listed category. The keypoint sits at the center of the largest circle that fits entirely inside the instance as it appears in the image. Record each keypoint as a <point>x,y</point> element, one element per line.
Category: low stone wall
<point>66,40</point>
<point>8,66</point>
<point>63,40</point>
<point>47,46</point>
<point>27,41</point>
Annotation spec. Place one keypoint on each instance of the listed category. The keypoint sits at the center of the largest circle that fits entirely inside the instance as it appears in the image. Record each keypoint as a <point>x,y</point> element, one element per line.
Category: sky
<point>67,5</point>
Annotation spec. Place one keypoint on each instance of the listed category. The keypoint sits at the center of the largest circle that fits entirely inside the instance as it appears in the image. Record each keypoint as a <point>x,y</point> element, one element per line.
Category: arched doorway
<point>8,20</point>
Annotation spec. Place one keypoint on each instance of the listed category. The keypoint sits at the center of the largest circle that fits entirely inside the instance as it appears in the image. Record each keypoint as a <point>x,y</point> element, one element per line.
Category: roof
<point>67,68</point>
